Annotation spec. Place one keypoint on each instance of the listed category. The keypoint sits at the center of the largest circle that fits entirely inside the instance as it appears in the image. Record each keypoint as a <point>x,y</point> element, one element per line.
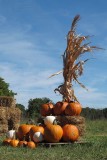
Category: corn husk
<point>72,66</point>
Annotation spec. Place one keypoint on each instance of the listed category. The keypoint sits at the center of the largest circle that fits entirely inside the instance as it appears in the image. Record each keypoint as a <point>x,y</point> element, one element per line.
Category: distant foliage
<point>92,113</point>
<point>22,108</point>
<point>4,89</point>
<point>34,105</point>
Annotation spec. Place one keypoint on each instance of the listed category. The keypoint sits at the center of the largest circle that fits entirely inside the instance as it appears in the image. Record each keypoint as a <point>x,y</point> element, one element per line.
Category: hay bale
<point>79,121</point>
<point>70,120</point>
<point>3,112</point>
<point>3,128</point>
<point>3,121</point>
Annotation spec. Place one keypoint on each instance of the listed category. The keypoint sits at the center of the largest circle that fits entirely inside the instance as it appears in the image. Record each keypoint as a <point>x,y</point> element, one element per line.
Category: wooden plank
<point>61,143</point>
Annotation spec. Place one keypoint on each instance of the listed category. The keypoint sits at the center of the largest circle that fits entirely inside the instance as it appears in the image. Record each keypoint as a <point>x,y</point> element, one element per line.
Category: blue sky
<point>32,40</point>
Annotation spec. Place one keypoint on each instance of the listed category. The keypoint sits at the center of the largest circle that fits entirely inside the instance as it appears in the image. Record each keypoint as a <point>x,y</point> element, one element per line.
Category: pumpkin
<point>14,142</point>
<point>36,129</point>
<point>38,137</point>
<point>31,144</point>
<point>49,120</point>
<point>73,109</point>
<point>59,108</point>
<point>53,133</point>
<point>70,133</point>
<point>22,143</point>
<point>10,134</point>
<point>46,109</point>
<point>23,131</point>
<point>6,141</point>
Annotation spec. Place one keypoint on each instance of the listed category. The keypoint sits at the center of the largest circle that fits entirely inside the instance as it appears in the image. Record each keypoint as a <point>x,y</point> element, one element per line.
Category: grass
<point>95,149</point>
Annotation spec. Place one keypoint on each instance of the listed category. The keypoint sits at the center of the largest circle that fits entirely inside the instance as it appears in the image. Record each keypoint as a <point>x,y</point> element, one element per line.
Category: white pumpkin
<point>38,137</point>
<point>11,134</point>
<point>49,120</point>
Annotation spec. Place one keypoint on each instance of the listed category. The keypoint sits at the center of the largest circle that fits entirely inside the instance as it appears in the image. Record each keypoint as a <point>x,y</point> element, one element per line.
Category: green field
<point>95,147</point>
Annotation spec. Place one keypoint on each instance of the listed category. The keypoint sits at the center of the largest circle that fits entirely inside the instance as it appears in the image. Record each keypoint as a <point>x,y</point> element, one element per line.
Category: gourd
<point>49,120</point>
<point>6,141</point>
<point>10,134</point>
<point>46,109</point>
<point>73,109</point>
<point>70,133</point>
<point>53,133</point>
<point>59,108</point>
<point>38,137</point>
<point>14,142</point>
<point>35,129</point>
<point>23,131</point>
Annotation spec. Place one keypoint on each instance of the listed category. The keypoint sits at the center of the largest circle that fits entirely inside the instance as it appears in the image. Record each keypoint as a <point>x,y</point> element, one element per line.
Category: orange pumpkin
<point>70,133</point>
<point>14,142</point>
<point>22,143</point>
<point>53,133</point>
<point>59,108</point>
<point>36,129</point>
<point>46,109</point>
<point>23,131</point>
<point>6,141</point>
<point>31,144</point>
<point>73,109</point>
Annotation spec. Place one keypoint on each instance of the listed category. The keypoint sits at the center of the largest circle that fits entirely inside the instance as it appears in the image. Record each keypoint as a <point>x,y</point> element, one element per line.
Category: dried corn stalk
<point>72,68</point>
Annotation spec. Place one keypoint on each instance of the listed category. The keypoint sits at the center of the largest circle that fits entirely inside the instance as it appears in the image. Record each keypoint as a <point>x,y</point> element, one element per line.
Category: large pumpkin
<point>70,133</point>
<point>35,129</point>
<point>46,109</point>
<point>73,109</point>
<point>53,133</point>
<point>59,108</point>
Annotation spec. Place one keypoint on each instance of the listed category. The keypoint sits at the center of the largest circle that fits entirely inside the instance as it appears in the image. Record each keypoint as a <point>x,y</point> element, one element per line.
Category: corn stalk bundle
<point>72,68</point>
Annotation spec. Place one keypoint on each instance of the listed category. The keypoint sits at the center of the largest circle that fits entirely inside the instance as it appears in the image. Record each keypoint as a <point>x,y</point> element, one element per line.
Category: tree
<point>34,106</point>
<point>21,107</point>
<point>4,89</point>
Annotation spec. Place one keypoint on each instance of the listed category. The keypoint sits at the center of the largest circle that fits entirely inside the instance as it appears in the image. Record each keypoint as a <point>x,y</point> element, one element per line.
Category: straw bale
<point>3,113</point>
<point>3,128</point>
<point>70,120</point>
<point>79,121</point>
<point>82,129</point>
<point>3,121</point>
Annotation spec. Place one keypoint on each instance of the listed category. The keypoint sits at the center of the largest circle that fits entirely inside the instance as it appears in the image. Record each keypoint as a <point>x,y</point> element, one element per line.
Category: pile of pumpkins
<point>50,132</point>
<point>72,108</point>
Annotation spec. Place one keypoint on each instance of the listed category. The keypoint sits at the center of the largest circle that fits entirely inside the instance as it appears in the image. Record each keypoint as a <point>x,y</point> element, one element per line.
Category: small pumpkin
<point>73,109</point>
<point>10,134</point>
<point>70,133</point>
<point>53,133</point>
<point>31,144</point>
<point>14,142</point>
<point>22,143</point>
<point>59,108</point>
<point>46,109</point>
<point>38,137</point>
<point>6,141</point>
<point>35,129</point>
<point>49,120</point>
